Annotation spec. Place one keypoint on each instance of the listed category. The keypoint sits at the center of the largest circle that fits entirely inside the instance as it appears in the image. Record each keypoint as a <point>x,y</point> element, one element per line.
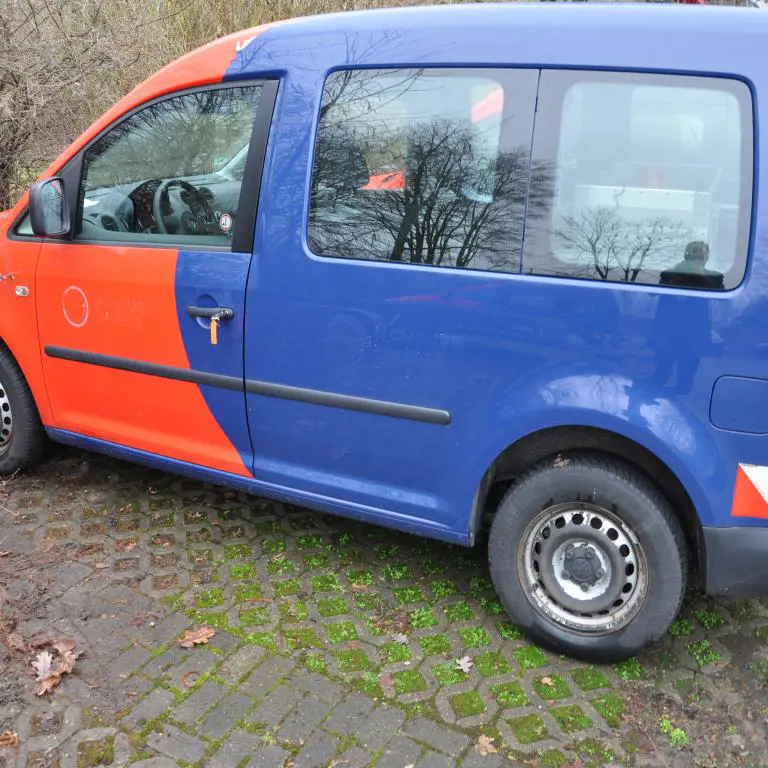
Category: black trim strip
<point>252,386</point>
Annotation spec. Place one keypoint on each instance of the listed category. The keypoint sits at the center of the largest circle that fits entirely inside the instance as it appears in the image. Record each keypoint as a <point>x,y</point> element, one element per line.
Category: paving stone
<point>350,717</point>
<point>196,662</point>
<point>191,710</point>
<point>167,629</point>
<point>276,706</point>
<point>474,760</point>
<point>241,662</point>
<point>267,676</point>
<point>320,687</point>
<point>237,745</point>
<point>167,659</point>
<point>176,744</point>
<point>439,738</point>
<point>156,762</point>
<point>379,727</point>
<point>436,760</point>
<point>128,662</point>
<point>148,708</point>
<point>304,718</point>
<point>401,751</point>
<point>318,750</point>
<point>269,757</point>
<point>225,715</point>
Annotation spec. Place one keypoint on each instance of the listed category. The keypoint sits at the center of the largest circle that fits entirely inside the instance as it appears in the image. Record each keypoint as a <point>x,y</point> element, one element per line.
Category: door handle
<point>221,313</point>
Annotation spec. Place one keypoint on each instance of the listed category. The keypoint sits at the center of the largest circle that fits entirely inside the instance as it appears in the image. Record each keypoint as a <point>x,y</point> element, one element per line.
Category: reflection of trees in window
<point>182,136</point>
<point>610,247</point>
<point>457,207</point>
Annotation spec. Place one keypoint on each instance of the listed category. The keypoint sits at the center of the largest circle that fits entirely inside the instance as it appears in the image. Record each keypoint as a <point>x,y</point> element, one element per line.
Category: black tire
<point>618,505</point>
<point>23,447</point>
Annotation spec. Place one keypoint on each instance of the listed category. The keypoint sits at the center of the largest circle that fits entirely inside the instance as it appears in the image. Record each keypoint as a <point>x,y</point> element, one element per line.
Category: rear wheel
<point>588,558</point>
<point>22,438</point>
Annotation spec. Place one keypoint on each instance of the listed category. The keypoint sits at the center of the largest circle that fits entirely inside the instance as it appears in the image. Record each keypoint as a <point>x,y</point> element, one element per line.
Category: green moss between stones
<point>590,678</point>
<point>478,584</point>
<point>432,567</point>
<point>255,616</point>
<point>279,566</point>
<point>449,673</point>
<point>368,683</point>
<point>266,527</point>
<point>709,619</point>
<point>528,729</point>
<point>474,637</point>
<point>311,542</point>
<point>530,657</point>
<point>296,638</point>
<point>264,639</point>
<point>360,578</point>
<point>610,707</point>
<point>509,695</point>
<point>467,704</point>
<point>387,551</point>
<point>551,687</point>
<point>703,653</point>
<point>353,661</point>
<point>93,753</point>
<point>209,598</point>
<point>631,669</point>
<point>396,572</point>
<point>332,606</point>
<point>237,551</point>
<point>368,601</point>
<point>311,562</point>
<point>287,587</point>
<point>315,662</point>
<point>434,645</point>
<point>243,571</point>
<point>273,546</point>
<point>409,681</point>
<point>743,610</point>
<point>247,592</point>
<point>293,611</point>
<point>553,758</point>
<point>571,719</point>
<point>393,653</point>
<point>341,632</point>
<point>508,630</point>
<point>491,664</point>
<point>408,595</point>
<point>681,628</point>
<point>325,583</point>
<point>492,607</point>
<point>422,618</point>
<point>594,751</point>
<point>459,612</point>
<point>443,588</point>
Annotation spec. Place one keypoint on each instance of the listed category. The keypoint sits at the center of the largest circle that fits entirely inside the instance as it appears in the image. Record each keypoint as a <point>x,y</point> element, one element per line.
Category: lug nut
<point>584,587</point>
<point>569,552</point>
<point>599,573</point>
<point>590,553</point>
<point>566,574</point>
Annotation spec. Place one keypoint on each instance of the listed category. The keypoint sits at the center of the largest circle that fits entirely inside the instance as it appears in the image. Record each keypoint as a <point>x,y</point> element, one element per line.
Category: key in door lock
<point>215,314</point>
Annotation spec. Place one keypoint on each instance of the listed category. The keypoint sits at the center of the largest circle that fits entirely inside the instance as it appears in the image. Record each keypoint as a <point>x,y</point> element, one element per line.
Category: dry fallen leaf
<point>196,636</point>
<point>16,642</point>
<point>4,552</point>
<point>484,745</point>
<point>548,681</point>
<point>465,664</point>
<point>400,638</point>
<point>49,676</point>
<point>337,761</point>
<point>9,739</point>
<point>43,664</point>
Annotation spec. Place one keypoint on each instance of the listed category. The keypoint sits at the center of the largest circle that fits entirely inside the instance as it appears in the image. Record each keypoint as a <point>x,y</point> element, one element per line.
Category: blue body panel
<point>506,355</point>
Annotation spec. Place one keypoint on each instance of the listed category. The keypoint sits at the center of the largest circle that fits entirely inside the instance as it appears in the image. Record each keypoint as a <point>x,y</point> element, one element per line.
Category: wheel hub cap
<point>584,568</point>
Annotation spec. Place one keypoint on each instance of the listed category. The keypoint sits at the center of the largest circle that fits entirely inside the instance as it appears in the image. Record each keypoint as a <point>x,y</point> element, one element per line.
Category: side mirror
<point>48,209</point>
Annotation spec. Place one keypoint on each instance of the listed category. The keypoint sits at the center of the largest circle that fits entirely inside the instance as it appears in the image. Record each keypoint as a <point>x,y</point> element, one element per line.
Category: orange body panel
<point>120,301</point>
<point>747,499</point>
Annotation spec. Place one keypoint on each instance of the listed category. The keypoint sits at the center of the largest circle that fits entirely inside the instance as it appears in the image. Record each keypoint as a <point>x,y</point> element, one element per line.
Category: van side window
<point>652,179</point>
<point>171,172</point>
<point>422,166</point>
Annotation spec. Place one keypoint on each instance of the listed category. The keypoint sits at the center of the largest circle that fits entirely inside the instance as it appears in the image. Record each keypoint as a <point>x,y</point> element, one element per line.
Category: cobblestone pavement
<point>337,644</point>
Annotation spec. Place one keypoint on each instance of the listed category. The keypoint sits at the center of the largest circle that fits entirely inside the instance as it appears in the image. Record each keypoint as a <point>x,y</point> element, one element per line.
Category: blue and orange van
<point>460,270</point>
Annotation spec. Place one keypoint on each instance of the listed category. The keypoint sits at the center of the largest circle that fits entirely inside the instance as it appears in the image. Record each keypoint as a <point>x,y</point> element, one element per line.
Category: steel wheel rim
<point>592,594</point>
<point>6,420</point>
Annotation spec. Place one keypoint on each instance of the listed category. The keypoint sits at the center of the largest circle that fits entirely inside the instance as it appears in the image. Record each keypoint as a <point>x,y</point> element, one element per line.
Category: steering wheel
<point>194,220</point>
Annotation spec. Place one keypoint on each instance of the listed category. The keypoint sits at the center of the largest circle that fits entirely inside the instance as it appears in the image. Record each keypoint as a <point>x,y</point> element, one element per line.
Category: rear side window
<point>420,166</point>
<point>650,179</point>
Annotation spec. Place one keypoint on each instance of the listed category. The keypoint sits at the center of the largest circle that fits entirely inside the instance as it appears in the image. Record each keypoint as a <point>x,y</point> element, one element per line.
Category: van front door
<point>141,314</point>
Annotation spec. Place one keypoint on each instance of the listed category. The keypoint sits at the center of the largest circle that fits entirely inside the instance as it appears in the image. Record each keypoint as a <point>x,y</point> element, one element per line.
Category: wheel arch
<point>552,442</point>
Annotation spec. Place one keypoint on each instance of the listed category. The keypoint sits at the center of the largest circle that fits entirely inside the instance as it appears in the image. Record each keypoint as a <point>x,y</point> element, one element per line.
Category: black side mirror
<point>48,209</point>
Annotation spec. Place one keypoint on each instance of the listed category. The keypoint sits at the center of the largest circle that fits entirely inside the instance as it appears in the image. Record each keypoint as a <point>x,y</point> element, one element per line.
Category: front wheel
<point>588,558</point>
<point>22,438</point>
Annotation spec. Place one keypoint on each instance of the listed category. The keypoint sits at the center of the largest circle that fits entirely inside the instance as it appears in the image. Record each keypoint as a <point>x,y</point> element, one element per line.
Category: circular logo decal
<point>74,303</point>
<point>225,222</point>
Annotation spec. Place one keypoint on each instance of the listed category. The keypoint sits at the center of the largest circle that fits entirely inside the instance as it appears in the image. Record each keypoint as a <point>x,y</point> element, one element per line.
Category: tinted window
<point>171,172</point>
<point>652,179</point>
<point>423,167</point>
